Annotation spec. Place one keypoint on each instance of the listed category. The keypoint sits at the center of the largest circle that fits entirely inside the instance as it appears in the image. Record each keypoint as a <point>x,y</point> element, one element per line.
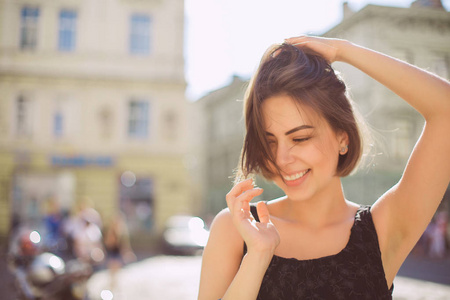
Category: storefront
<point>146,189</point>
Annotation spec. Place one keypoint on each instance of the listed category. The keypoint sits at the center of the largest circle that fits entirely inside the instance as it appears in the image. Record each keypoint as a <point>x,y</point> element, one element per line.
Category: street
<point>177,278</point>
<point>156,278</point>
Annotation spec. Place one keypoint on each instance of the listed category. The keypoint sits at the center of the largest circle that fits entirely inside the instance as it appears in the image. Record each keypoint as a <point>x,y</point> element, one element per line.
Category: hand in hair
<point>327,47</point>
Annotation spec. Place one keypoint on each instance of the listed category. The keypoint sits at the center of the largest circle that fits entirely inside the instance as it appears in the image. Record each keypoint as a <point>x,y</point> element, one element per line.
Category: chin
<point>298,197</point>
<point>296,193</point>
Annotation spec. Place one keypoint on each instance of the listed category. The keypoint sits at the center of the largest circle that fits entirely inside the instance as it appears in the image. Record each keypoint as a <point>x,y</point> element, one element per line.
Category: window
<point>138,119</point>
<point>32,191</point>
<point>58,123</point>
<point>60,118</point>
<point>170,126</point>
<point>67,30</point>
<point>23,117</point>
<point>29,28</point>
<point>136,201</point>
<point>65,117</point>
<point>106,121</point>
<point>140,34</point>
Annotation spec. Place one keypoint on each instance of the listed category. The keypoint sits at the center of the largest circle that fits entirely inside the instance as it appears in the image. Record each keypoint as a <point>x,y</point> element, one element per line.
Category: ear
<point>343,141</point>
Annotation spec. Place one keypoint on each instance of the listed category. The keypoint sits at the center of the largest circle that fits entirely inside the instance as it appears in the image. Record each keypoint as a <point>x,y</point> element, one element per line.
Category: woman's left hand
<point>327,47</point>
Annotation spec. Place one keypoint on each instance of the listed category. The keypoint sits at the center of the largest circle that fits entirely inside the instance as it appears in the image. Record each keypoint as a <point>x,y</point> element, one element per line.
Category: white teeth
<point>295,176</point>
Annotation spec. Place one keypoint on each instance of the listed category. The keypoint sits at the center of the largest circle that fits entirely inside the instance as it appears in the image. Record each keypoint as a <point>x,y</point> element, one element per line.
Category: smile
<point>295,176</point>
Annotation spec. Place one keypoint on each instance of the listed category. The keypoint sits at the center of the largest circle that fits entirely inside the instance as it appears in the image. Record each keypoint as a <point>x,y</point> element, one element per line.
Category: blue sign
<point>81,161</point>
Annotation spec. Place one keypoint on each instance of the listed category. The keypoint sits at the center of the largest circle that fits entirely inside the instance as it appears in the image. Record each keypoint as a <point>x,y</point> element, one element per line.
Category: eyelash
<point>301,140</point>
<point>294,140</point>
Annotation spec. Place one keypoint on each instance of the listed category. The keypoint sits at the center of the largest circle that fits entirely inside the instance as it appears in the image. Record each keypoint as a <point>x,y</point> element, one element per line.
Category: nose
<point>284,155</point>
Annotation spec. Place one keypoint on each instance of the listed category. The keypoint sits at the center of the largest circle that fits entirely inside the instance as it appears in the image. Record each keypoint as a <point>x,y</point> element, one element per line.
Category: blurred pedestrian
<point>423,245</point>
<point>88,244</point>
<point>302,133</point>
<point>53,221</point>
<point>438,234</point>
<point>118,247</point>
<point>84,231</point>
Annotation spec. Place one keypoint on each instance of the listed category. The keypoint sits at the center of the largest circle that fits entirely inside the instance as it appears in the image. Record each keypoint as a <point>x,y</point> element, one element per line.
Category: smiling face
<point>304,146</point>
<point>309,80</point>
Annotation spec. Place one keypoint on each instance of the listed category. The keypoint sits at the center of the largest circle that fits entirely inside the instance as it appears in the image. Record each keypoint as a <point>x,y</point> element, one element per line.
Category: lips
<point>295,176</point>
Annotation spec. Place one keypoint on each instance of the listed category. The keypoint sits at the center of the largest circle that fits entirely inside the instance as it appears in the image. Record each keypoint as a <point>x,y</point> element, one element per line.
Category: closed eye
<point>301,140</point>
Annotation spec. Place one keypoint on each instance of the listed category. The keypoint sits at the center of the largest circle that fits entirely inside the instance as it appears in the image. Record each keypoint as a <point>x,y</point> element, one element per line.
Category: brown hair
<point>309,79</point>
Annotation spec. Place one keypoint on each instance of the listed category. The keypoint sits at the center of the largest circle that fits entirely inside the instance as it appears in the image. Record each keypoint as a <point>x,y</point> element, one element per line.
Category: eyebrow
<point>301,127</point>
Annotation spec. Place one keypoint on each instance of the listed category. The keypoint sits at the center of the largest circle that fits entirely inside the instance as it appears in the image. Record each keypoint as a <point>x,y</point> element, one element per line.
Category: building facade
<point>221,129</point>
<point>419,35</point>
<point>221,122</point>
<point>93,105</point>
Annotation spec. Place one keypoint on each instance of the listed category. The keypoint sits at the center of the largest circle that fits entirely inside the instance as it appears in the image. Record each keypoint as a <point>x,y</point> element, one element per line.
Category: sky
<point>228,37</point>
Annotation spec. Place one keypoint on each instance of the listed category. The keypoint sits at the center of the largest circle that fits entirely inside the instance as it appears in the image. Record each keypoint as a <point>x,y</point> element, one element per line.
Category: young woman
<point>302,134</point>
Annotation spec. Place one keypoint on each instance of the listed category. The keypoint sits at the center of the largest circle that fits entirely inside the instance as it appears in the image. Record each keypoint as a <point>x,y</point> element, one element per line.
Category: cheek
<point>323,153</point>
<point>273,171</point>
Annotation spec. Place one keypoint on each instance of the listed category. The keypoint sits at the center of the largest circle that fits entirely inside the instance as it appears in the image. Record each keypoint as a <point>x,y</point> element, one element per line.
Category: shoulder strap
<point>254,212</point>
<point>363,213</point>
<point>367,233</point>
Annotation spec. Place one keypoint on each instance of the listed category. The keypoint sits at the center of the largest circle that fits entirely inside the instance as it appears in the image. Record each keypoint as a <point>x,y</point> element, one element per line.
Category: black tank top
<point>354,273</point>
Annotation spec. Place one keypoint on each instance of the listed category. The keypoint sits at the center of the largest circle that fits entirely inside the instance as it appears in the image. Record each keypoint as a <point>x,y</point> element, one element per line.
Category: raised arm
<point>402,213</point>
<point>226,273</point>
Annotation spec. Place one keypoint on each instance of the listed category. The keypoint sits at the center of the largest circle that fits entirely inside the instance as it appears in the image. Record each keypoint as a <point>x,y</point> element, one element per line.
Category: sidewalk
<point>177,278</point>
<point>166,278</point>
<point>413,289</point>
<point>155,278</point>
<point>423,278</point>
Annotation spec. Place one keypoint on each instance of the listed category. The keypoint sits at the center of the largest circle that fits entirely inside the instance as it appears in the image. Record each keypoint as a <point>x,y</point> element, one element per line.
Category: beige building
<point>420,35</point>
<point>92,104</point>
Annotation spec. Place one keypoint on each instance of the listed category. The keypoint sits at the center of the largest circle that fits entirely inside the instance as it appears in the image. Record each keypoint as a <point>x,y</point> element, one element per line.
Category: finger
<point>300,44</point>
<point>237,190</point>
<point>241,187</point>
<point>296,39</point>
<point>263,212</point>
<point>243,201</point>
<point>325,50</point>
<point>311,43</point>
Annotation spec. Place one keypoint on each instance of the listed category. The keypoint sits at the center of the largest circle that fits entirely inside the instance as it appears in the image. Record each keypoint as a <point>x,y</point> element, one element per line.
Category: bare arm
<point>221,257</point>
<point>225,274</point>
<point>402,213</point>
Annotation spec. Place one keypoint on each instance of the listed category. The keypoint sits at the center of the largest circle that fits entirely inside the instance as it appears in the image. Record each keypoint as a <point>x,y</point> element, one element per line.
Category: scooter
<point>44,275</point>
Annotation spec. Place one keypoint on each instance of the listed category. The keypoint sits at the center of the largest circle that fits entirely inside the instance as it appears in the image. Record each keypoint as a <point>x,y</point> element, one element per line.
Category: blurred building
<point>419,34</point>
<point>221,127</point>
<point>92,104</point>
<point>221,123</point>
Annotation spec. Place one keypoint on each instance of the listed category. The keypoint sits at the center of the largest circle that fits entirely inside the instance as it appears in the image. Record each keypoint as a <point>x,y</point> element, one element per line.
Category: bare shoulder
<point>222,228</point>
<point>222,257</point>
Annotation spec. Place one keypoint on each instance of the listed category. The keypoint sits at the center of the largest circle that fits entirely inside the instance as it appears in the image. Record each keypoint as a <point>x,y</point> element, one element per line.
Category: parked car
<point>184,235</point>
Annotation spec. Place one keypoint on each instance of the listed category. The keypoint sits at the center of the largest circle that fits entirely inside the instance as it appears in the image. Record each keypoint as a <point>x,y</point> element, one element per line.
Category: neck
<point>324,208</point>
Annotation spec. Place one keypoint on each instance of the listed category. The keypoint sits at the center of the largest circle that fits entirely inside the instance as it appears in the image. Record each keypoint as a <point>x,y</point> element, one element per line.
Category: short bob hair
<point>309,79</point>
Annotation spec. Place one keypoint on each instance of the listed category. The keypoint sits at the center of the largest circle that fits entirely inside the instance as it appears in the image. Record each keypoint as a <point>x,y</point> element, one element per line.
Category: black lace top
<point>354,273</point>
